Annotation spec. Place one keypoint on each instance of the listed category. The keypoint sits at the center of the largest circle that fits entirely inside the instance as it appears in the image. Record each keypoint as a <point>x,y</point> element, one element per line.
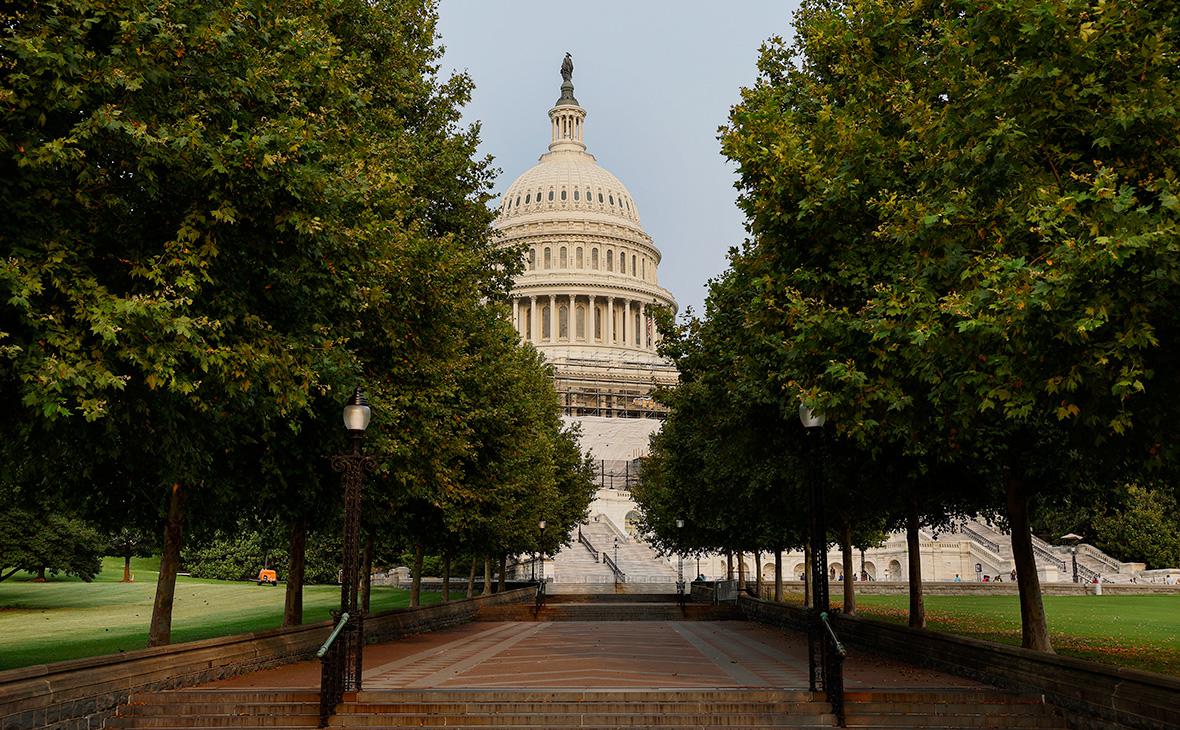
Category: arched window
<point>594,259</point>
<point>599,313</point>
<point>546,331</point>
<point>527,198</point>
<point>517,203</point>
<point>563,322</point>
<point>578,257</point>
<point>563,259</point>
<point>622,262</point>
<point>563,193</point>
<point>581,322</point>
<point>611,197</point>
<point>600,196</point>
<point>589,197</point>
<point>532,259</point>
<point>575,193</point>
<point>550,196</point>
<point>610,260</point>
<point>634,270</point>
<point>548,258</point>
<point>643,266</point>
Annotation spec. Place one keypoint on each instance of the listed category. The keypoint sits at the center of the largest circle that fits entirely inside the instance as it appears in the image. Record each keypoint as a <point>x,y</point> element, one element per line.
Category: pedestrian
<point>1013,574</point>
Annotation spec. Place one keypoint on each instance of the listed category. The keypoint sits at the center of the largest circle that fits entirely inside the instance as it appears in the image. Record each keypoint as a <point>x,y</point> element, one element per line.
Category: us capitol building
<point>586,296</point>
<point>585,300</point>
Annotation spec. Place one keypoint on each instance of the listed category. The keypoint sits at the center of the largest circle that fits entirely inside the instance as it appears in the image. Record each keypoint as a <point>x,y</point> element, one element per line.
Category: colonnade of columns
<point>586,318</point>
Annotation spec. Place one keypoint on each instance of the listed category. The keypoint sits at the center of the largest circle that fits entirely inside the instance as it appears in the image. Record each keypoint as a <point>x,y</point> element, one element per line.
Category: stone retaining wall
<point>941,588</point>
<point>80,694</point>
<point>1092,696</point>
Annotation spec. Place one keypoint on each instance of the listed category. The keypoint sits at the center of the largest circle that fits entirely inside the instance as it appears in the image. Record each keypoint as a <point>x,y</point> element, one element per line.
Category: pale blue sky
<point>657,78</point>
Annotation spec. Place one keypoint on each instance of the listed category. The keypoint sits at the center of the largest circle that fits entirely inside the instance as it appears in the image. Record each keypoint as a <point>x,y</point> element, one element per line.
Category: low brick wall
<point>80,694</point>
<point>1092,696</point>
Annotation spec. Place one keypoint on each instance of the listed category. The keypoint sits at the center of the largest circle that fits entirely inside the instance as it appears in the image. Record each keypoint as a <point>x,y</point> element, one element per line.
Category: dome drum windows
<point>622,262</point>
<point>594,258</point>
<point>563,194</point>
<point>550,196</point>
<point>610,260</point>
<point>548,258</point>
<point>575,194</point>
<point>532,259</point>
<point>563,259</point>
<point>578,257</point>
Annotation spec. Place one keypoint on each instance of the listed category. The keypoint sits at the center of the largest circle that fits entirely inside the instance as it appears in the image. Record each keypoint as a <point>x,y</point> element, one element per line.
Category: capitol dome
<point>589,286</point>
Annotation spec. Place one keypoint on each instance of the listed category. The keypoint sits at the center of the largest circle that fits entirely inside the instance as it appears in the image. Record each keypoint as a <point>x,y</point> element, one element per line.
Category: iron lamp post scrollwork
<point>825,654</point>
<point>342,655</point>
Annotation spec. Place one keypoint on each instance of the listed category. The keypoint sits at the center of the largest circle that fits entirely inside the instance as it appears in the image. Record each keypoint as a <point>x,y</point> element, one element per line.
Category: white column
<point>610,320</point>
<point>591,321</point>
<point>553,318</point>
<point>627,325</point>
<point>532,336</point>
<point>516,315</point>
<point>573,330</point>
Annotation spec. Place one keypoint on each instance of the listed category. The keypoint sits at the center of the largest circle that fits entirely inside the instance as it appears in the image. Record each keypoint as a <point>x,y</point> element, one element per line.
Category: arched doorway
<point>870,570</point>
<point>631,523</point>
<point>835,571</point>
<point>894,572</point>
<point>768,571</point>
<point>797,573</point>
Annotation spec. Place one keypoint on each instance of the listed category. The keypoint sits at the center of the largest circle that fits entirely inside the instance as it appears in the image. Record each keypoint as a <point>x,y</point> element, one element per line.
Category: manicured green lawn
<point>67,619</point>
<point>1131,631</point>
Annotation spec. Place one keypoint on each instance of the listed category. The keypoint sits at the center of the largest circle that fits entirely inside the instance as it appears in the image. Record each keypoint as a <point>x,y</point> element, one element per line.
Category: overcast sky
<point>656,77</point>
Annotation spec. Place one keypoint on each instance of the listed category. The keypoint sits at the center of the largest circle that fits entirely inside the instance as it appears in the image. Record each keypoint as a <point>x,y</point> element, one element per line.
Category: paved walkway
<point>602,654</point>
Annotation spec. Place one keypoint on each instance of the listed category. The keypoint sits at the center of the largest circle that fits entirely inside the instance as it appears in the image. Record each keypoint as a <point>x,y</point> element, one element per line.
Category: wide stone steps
<point>585,709</point>
<point>606,708</point>
<point>948,710</point>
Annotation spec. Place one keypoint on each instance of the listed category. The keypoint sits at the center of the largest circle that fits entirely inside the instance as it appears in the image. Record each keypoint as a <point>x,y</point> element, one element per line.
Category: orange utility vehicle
<point>266,575</point>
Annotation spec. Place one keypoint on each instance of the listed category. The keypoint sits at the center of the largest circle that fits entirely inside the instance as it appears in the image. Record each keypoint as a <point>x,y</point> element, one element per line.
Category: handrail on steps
<point>586,541</point>
<point>832,634</point>
<point>332,636</point>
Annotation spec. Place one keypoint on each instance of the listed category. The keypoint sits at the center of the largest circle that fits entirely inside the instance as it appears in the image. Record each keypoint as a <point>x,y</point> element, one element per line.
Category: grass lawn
<point>67,619</point>
<point>1142,632</point>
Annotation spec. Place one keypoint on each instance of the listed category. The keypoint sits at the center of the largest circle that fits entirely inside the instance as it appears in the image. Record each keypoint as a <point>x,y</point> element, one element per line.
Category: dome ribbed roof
<point>568,180</point>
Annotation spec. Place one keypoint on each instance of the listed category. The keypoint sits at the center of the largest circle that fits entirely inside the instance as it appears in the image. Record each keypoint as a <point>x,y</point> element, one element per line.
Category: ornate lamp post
<point>341,671</point>
<point>825,654</point>
<point>1073,540</point>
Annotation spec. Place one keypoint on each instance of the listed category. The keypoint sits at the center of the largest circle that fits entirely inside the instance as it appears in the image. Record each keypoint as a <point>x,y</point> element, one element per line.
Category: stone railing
<point>82,693</point>
<point>1092,696</point>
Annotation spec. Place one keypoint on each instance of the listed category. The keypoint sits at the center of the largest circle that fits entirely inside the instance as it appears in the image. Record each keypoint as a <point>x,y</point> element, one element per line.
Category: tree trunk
<point>40,574</point>
<point>416,581</point>
<point>846,555</point>
<point>487,575</point>
<point>728,565</point>
<point>471,577</point>
<point>160,631</point>
<point>807,576</point>
<point>296,567</point>
<point>367,574</point>
<point>446,586</point>
<point>127,577</point>
<point>778,575</point>
<point>758,572</point>
<point>741,567</point>
<point>1034,629</point>
<point>914,558</point>
<point>503,571</point>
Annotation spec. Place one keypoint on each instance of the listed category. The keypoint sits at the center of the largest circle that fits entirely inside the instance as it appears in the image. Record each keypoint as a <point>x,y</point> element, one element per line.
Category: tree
<point>48,541</point>
<point>967,210</point>
<point>128,543</point>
